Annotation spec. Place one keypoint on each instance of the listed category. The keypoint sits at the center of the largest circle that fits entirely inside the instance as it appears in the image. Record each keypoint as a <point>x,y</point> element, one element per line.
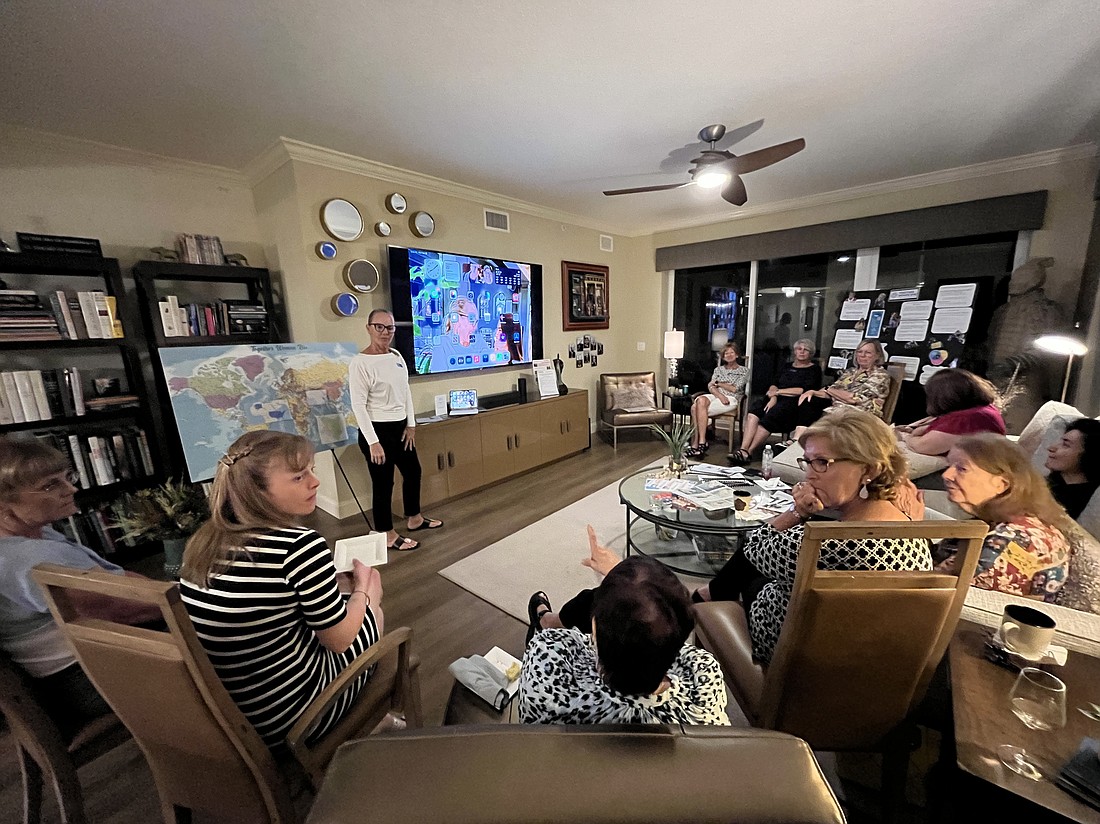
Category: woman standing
<point>864,386</point>
<point>778,410</point>
<point>726,388</point>
<point>263,594</point>
<point>382,403</point>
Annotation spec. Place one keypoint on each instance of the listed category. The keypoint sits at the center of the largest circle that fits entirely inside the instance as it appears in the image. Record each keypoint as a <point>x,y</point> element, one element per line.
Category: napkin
<point>481,677</point>
<point>1081,776</point>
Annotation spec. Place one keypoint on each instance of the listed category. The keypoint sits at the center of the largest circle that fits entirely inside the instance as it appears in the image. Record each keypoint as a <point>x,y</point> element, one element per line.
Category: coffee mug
<point>1026,631</point>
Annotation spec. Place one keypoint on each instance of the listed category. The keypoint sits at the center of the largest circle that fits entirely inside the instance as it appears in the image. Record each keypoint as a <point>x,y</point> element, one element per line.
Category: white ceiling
<point>552,101</point>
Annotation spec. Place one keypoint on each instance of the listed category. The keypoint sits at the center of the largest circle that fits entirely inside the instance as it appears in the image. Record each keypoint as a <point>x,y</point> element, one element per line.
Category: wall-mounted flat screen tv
<point>457,312</point>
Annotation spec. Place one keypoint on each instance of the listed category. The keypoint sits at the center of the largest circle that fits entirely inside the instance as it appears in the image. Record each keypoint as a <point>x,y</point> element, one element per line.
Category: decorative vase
<point>173,556</point>
<point>677,466</point>
<point>558,368</point>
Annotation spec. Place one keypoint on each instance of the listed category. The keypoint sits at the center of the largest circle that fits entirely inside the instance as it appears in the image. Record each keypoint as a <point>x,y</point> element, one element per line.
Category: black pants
<point>576,613</point>
<point>738,580</point>
<point>810,411</point>
<point>381,475</point>
<point>70,699</point>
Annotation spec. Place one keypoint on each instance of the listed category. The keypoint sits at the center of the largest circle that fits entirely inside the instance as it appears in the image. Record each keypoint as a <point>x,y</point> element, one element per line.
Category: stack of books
<point>31,395</point>
<point>223,317</point>
<point>96,527</point>
<point>23,317</point>
<point>105,458</point>
<point>60,315</point>
<point>200,249</point>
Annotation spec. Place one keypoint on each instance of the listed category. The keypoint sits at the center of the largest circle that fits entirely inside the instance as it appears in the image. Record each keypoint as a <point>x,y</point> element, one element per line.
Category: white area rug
<point>546,555</point>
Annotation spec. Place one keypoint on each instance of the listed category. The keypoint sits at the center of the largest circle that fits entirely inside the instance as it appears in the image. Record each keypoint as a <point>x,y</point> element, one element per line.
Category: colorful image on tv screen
<point>468,312</point>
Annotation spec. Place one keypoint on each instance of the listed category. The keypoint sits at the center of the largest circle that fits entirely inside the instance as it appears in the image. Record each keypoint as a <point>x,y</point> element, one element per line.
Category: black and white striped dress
<point>257,623</point>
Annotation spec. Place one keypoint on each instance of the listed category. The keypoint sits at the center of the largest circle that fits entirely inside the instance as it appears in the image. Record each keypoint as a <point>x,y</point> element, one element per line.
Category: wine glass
<point>1039,700</point>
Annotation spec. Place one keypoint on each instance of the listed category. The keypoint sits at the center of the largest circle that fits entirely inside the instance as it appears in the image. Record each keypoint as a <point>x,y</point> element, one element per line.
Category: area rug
<point>546,555</point>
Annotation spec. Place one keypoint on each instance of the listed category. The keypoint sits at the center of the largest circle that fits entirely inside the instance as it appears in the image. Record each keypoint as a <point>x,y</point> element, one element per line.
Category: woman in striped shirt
<point>262,591</point>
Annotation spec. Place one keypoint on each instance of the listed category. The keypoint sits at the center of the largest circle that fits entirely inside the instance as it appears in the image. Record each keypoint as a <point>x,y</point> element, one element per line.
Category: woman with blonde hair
<point>725,390</point>
<point>852,467</point>
<point>262,591</point>
<point>863,386</point>
<point>1026,552</point>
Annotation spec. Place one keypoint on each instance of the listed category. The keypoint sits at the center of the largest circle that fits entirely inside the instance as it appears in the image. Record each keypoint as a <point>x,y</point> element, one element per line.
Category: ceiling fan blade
<point>734,191</point>
<point>743,164</point>
<point>638,189</point>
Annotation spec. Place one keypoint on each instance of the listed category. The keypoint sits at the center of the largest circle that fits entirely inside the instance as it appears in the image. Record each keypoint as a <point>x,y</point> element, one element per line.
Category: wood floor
<point>448,622</point>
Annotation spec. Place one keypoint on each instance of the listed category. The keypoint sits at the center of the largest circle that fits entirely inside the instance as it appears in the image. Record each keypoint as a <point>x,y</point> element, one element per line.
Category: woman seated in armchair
<point>724,394</point>
<point>629,663</point>
<point>263,594</point>
<point>958,403</point>
<point>863,386</point>
<point>852,466</point>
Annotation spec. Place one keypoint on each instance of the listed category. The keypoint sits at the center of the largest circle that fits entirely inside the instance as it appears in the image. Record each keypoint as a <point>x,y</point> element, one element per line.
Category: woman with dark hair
<point>635,665</point>
<point>380,398</point>
<point>263,594</point>
<point>725,390</point>
<point>777,411</point>
<point>1026,552</point>
<point>37,485</point>
<point>1074,464</point>
<point>863,386</point>
<point>958,403</point>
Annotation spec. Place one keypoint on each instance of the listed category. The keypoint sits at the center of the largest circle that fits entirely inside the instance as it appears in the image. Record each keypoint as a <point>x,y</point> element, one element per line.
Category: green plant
<point>162,513</point>
<point>678,438</point>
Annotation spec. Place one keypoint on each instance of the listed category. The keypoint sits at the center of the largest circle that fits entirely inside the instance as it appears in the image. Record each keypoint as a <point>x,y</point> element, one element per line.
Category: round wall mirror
<point>361,275</point>
<point>345,305</point>
<point>382,229</point>
<point>341,219</point>
<point>396,203</point>
<point>422,224</point>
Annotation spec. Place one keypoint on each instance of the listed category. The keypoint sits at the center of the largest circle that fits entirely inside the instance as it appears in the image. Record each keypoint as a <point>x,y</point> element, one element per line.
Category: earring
<point>863,489</point>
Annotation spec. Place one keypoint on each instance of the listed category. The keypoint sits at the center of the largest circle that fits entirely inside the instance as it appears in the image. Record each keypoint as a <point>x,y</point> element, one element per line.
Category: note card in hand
<point>370,549</point>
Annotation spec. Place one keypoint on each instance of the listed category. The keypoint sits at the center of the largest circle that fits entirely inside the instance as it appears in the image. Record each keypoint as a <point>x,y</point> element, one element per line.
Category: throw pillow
<point>633,397</point>
<point>1040,422</point>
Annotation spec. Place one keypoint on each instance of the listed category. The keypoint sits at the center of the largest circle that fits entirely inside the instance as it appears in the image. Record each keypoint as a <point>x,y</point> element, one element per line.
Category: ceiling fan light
<point>711,179</point>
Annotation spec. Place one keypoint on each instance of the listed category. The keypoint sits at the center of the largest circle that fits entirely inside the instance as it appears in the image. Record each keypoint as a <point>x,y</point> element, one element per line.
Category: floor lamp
<point>1066,346</point>
<point>674,350</point>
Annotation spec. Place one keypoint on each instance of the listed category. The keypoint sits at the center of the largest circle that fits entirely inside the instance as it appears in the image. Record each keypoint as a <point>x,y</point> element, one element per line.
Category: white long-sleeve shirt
<point>379,386</point>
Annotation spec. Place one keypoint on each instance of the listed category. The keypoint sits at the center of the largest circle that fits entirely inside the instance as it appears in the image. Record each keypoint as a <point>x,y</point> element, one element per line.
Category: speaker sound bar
<point>501,399</point>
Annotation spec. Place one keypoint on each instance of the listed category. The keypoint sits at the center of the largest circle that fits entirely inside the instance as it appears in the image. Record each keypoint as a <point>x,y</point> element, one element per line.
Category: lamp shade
<point>674,344</point>
<point>1059,345</point>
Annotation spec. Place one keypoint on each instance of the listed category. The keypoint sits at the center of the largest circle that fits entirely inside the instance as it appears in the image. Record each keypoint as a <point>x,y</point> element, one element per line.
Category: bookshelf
<point>111,443</point>
<point>206,286</point>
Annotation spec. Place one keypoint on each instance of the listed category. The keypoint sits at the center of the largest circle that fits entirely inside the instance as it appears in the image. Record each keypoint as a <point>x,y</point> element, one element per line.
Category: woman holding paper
<point>379,385</point>
<point>852,466</point>
<point>863,386</point>
<point>266,601</point>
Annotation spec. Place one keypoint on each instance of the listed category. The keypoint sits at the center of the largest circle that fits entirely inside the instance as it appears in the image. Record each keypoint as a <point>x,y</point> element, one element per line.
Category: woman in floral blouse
<point>1025,552</point>
<point>864,386</point>
<point>724,393</point>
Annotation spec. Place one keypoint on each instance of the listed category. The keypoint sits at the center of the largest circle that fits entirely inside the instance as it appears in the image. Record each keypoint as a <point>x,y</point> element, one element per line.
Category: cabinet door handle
<point>561,427</point>
<point>509,443</point>
<point>450,459</point>
<point>517,440</point>
<point>439,460</point>
<point>568,426</point>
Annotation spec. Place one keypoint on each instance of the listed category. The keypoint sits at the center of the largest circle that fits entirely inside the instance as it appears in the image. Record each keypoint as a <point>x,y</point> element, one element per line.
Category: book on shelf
<point>224,317</point>
<point>77,316</point>
<point>90,314</point>
<point>169,319</point>
<point>103,312</point>
<point>31,395</point>
<point>59,305</point>
<point>38,386</point>
<point>23,316</point>
<point>116,322</point>
<point>25,392</point>
<point>205,249</point>
<point>11,393</point>
<point>6,416</point>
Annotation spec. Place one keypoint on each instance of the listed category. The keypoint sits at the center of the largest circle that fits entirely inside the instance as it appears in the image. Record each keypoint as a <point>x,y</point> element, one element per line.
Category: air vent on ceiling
<point>607,243</point>
<point>497,221</point>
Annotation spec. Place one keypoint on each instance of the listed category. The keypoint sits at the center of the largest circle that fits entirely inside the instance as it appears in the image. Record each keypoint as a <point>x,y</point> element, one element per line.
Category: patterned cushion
<point>633,397</point>
<point>1082,588</point>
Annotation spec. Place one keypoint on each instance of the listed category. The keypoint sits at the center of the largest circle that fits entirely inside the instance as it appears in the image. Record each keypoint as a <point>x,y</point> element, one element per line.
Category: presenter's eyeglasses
<point>56,483</point>
<point>381,327</point>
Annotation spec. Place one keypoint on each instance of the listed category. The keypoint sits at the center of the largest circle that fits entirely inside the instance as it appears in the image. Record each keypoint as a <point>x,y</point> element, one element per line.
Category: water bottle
<point>766,462</point>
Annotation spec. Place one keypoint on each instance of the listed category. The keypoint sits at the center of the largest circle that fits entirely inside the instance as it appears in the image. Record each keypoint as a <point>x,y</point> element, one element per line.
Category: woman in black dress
<point>777,411</point>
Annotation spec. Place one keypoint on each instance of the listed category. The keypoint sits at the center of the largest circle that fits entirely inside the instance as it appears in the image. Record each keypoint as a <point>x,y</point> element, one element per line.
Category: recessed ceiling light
<point>843,258</point>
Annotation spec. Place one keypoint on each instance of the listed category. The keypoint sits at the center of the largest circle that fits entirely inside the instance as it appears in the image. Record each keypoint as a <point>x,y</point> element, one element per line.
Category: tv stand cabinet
<point>459,455</point>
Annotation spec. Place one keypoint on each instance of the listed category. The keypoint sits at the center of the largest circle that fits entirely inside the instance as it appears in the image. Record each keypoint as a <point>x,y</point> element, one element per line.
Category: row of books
<point>60,315</point>
<point>108,457</point>
<point>30,395</point>
<point>95,527</point>
<point>200,249</point>
<point>224,317</point>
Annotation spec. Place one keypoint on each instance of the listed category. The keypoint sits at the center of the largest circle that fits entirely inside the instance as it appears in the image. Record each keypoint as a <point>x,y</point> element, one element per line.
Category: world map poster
<point>220,392</point>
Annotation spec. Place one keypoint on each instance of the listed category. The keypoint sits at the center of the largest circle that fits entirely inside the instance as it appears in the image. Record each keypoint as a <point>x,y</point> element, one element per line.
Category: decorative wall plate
<point>326,250</point>
<point>422,224</point>
<point>361,275</point>
<point>341,219</point>
<point>396,203</point>
<point>345,304</point>
<point>382,229</point>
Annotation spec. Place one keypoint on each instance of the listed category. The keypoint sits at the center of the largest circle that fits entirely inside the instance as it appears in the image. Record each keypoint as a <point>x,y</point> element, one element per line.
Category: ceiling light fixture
<point>791,291</point>
<point>843,258</point>
<point>711,179</point>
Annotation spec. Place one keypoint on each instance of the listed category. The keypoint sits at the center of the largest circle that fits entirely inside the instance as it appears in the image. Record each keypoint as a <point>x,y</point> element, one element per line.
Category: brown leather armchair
<point>526,774</point>
<point>643,386</point>
<point>857,649</point>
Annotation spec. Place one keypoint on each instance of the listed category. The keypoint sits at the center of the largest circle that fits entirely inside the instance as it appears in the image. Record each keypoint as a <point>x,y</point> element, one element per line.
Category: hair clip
<point>231,458</point>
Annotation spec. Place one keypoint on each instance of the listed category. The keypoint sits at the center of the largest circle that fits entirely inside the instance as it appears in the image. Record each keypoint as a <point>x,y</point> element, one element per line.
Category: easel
<point>336,458</point>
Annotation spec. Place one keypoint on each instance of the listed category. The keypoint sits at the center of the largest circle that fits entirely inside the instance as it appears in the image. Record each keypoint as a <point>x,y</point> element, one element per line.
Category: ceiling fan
<point>715,167</point>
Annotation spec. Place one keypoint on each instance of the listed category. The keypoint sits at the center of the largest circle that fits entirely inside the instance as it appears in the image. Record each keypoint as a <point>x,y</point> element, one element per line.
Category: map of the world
<point>220,392</point>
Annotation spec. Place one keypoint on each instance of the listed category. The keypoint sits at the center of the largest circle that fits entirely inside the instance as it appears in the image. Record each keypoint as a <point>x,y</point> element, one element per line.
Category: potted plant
<point>678,439</point>
<point>169,513</point>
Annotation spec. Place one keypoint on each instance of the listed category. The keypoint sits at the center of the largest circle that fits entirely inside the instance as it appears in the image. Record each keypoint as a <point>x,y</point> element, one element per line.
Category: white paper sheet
<point>854,309</point>
<point>928,371</point>
<point>904,294</point>
<point>956,295</point>
<point>951,320</point>
<point>916,310</point>
<point>847,338</point>
<point>911,365</point>
<point>836,362</point>
<point>911,330</point>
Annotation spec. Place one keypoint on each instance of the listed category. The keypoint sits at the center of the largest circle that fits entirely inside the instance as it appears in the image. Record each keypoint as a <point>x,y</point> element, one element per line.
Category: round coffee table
<point>693,542</point>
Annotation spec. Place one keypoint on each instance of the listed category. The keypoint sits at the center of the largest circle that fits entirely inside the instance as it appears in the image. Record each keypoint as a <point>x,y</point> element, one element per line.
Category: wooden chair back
<point>897,375</point>
<point>203,753</point>
<point>858,648</point>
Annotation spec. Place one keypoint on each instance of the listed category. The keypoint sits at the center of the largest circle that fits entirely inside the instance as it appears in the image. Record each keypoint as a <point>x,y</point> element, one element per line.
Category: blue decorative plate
<point>345,304</point>
<point>326,250</point>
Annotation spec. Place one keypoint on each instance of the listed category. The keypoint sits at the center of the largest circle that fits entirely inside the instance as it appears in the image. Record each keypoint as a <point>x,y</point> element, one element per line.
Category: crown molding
<point>1008,165</point>
<point>93,150</point>
<point>286,149</point>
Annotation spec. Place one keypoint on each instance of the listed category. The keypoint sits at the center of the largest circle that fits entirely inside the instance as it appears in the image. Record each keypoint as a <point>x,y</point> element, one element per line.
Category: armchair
<point>628,400</point>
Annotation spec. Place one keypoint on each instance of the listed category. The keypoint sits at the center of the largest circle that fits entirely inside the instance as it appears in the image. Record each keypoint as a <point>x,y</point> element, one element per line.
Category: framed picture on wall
<point>585,296</point>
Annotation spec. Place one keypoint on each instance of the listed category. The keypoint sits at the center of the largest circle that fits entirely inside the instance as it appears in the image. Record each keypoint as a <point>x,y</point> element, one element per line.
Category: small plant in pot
<point>678,439</point>
<point>169,513</point>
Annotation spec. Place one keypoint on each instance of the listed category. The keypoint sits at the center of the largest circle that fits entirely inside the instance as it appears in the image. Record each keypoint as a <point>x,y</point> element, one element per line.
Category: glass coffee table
<point>693,542</point>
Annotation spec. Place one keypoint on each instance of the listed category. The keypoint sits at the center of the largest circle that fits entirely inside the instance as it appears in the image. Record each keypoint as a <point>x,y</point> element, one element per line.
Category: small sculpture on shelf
<point>236,259</point>
<point>164,253</point>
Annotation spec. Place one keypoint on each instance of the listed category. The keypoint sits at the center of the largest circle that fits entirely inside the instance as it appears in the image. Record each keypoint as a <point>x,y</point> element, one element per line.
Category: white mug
<point>1026,631</point>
